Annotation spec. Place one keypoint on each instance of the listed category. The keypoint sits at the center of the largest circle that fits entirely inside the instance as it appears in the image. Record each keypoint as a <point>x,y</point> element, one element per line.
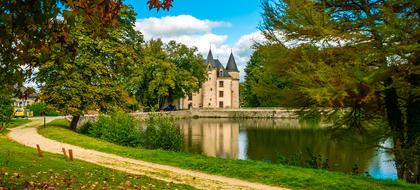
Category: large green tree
<point>266,86</point>
<point>166,72</point>
<point>359,54</point>
<point>91,77</point>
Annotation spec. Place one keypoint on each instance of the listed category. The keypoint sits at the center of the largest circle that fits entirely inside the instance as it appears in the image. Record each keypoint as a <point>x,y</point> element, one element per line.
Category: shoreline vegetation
<point>254,171</point>
<point>22,168</point>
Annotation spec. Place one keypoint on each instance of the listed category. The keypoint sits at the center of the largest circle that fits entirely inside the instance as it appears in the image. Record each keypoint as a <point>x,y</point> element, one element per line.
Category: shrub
<point>162,133</point>
<point>6,110</point>
<point>119,128</point>
<point>84,129</point>
<point>52,113</point>
<point>39,107</point>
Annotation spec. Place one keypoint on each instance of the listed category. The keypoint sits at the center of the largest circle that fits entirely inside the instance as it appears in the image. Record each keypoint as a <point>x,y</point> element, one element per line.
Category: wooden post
<point>65,153</point>
<point>39,150</point>
<point>71,154</point>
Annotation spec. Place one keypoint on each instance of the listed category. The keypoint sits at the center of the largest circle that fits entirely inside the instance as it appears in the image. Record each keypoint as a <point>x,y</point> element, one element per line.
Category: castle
<point>221,90</point>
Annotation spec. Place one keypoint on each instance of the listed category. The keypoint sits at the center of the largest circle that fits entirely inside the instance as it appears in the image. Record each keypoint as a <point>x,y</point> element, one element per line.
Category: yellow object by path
<point>19,112</point>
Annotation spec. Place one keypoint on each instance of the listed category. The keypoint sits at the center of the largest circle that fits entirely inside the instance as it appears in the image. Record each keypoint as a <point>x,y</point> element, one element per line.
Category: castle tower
<point>221,90</point>
<point>233,71</point>
<point>208,96</point>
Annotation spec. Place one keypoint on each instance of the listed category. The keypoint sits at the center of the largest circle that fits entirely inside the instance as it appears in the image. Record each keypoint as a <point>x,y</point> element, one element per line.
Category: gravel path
<point>28,135</point>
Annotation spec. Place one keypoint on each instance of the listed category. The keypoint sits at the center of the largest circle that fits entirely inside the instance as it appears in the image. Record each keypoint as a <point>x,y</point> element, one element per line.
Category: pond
<point>280,140</point>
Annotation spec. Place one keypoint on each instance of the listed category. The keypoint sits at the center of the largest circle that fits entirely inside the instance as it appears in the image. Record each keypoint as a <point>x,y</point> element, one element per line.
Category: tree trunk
<point>393,111</point>
<point>74,121</point>
<point>395,122</point>
<point>413,122</point>
<point>413,132</point>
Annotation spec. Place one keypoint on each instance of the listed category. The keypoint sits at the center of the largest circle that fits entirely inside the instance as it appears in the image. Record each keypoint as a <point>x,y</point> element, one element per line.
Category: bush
<point>6,110</point>
<point>39,107</point>
<point>84,129</point>
<point>52,113</point>
<point>119,128</point>
<point>162,133</point>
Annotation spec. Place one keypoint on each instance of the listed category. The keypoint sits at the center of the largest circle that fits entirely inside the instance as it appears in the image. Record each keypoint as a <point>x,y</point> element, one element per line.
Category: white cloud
<point>177,25</point>
<point>198,33</point>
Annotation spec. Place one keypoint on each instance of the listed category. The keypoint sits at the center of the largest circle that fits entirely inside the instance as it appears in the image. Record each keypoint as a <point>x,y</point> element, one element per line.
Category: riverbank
<point>166,173</point>
<point>255,171</point>
<point>273,113</point>
<point>22,168</point>
<point>235,113</point>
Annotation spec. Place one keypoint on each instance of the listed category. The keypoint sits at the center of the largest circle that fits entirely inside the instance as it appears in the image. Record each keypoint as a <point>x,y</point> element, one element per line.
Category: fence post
<point>65,153</point>
<point>38,148</point>
<point>71,154</point>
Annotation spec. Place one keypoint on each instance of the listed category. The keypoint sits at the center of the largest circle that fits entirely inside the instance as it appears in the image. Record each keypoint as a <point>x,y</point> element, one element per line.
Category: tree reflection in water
<point>269,140</point>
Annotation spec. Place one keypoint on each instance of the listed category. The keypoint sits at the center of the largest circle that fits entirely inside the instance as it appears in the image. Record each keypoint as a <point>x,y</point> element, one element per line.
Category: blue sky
<point>225,25</point>
<point>244,15</point>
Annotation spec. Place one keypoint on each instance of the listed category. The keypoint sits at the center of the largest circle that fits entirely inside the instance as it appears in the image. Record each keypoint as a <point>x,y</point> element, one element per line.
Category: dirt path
<point>27,135</point>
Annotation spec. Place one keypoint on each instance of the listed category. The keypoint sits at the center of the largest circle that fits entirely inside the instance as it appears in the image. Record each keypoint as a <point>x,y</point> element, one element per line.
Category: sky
<point>224,25</point>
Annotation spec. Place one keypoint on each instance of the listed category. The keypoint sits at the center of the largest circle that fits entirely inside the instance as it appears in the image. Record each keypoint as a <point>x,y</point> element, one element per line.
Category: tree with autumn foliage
<point>362,55</point>
<point>30,31</point>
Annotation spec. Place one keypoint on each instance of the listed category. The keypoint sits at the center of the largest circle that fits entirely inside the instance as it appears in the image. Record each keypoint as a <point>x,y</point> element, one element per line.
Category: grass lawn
<point>256,171</point>
<point>16,122</point>
<point>21,168</point>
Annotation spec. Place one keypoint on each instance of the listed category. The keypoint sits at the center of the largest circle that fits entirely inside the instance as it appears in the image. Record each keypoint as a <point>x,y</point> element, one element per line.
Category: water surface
<point>275,140</point>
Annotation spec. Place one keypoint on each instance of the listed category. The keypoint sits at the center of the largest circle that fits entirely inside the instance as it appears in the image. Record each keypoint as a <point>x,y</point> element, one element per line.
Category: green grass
<point>16,122</point>
<point>256,171</point>
<point>21,168</point>
<point>59,123</point>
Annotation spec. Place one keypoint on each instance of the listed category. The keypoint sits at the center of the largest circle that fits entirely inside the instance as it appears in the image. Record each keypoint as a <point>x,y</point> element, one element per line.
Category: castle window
<point>221,84</point>
<point>220,104</point>
<point>220,73</point>
<point>211,89</point>
<point>190,97</point>
<point>221,94</point>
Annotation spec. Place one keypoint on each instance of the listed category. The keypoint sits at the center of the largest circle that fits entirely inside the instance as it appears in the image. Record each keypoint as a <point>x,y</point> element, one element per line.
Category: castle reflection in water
<point>217,139</point>
<point>225,138</point>
<point>268,140</point>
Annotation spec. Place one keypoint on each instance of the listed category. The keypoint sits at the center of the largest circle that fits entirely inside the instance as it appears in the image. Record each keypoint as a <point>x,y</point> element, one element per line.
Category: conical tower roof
<point>210,56</point>
<point>231,65</point>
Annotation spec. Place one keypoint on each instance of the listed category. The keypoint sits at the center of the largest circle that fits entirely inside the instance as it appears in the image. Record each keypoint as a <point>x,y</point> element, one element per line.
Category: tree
<point>91,78</point>
<point>6,110</point>
<point>358,54</point>
<point>31,30</point>
<point>267,86</point>
<point>166,72</point>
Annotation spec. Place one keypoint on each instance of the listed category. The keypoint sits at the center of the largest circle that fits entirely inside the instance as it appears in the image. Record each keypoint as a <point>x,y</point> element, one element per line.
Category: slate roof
<point>218,64</point>
<point>210,56</point>
<point>222,71</point>
<point>231,65</point>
